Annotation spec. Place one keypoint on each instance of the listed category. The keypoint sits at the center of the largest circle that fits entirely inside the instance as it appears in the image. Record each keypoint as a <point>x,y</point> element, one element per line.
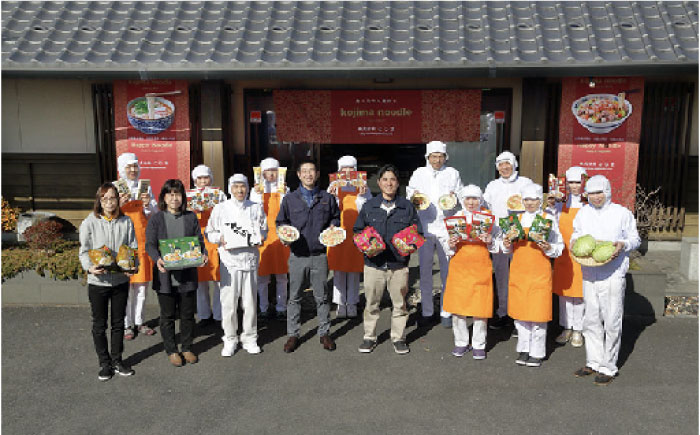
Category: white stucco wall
<point>47,116</point>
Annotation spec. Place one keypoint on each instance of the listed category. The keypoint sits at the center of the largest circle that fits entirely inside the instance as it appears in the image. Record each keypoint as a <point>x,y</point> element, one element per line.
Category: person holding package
<point>345,260</point>
<point>530,288</point>
<point>310,210</point>
<point>496,197</point>
<point>469,289</point>
<point>568,278</point>
<point>139,207</point>
<point>604,286</point>
<point>107,227</point>
<point>238,226</point>
<point>388,214</point>
<point>176,289</point>
<point>208,309</point>
<point>274,255</point>
<point>434,180</point>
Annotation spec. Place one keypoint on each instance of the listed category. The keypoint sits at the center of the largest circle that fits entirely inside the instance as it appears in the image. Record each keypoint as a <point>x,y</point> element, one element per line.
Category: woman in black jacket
<point>176,289</point>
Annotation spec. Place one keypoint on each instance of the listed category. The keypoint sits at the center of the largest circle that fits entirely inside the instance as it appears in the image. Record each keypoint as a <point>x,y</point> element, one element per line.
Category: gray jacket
<point>96,232</point>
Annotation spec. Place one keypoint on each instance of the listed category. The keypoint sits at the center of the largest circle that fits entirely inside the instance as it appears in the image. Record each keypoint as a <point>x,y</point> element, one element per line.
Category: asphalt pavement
<point>50,386</point>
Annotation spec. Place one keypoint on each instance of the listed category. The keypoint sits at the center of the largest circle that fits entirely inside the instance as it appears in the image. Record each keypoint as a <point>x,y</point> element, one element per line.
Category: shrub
<point>44,235</point>
<point>63,264</point>
<point>9,216</point>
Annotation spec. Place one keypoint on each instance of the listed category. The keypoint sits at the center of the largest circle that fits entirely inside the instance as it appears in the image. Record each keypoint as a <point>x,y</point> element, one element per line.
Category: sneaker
<point>446,322</point>
<point>229,347</point>
<point>129,334</point>
<point>367,346</point>
<point>106,372</point>
<point>533,362</point>
<point>252,348</point>
<point>352,311</point>
<point>122,369</point>
<point>459,351</point>
<point>577,339</point>
<point>341,312</point>
<point>522,358</point>
<point>564,337</point>
<point>146,330</point>
<point>602,379</point>
<point>584,371</point>
<point>499,322</point>
<point>479,354</point>
<point>401,347</point>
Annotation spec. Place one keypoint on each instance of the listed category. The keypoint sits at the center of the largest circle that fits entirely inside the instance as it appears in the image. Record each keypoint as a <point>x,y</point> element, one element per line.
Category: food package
<point>369,242</point>
<point>126,258</point>
<point>205,199</point>
<point>515,203</point>
<point>457,226</point>
<point>447,202</point>
<point>257,177</point>
<point>181,252</point>
<point>101,256</point>
<point>361,179</point>
<point>332,178</point>
<point>144,184</point>
<point>332,236</point>
<point>240,236</point>
<point>482,223</point>
<point>407,240</point>
<point>539,230</point>
<point>552,183</point>
<point>512,230</point>
<point>561,187</point>
<point>122,187</point>
<point>420,201</point>
<point>288,233</point>
<point>281,179</point>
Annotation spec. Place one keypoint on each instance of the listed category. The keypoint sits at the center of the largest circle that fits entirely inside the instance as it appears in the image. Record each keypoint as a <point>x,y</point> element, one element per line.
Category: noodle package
<point>181,252</point>
<point>540,229</point>
<point>369,242</point>
<point>512,230</point>
<point>407,240</point>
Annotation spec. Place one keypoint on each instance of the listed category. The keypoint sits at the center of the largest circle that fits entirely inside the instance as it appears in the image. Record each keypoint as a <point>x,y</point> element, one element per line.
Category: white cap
<point>470,191</point>
<point>201,171</point>
<point>532,191</point>
<point>237,178</point>
<point>269,163</point>
<point>598,183</point>
<point>436,146</point>
<point>346,161</point>
<point>507,156</point>
<point>575,173</point>
<point>125,160</point>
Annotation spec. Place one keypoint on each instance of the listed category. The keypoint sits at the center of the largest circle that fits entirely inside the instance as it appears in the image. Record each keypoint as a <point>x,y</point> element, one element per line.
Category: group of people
<point>590,298</point>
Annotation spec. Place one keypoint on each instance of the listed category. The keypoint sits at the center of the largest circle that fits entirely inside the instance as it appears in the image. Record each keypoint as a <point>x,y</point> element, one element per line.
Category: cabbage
<point>603,252</point>
<point>583,246</point>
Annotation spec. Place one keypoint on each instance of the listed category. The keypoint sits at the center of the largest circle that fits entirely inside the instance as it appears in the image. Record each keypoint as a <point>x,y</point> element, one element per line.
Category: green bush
<point>62,264</point>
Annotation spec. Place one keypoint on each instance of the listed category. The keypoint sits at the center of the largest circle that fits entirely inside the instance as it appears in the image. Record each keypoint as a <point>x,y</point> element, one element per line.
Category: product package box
<point>457,227</point>
<point>181,253</point>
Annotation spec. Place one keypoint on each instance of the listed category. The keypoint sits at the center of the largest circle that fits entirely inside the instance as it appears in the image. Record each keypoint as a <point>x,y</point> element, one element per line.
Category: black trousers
<point>100,298</point>
<point>170,305</point>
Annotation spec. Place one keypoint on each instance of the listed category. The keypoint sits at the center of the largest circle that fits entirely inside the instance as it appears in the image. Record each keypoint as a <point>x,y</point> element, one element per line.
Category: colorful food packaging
<point>144,184</point>
<point>457,226</point>
<point>447,202</point>
<point>512,230</point>
<point>332,236</point>
<point>181,253</point>
<point>126,258</point>
<point>288,233</point>
<point>257,176</point>
<point>420,201</point>
<point>281,177</point>
<point>407,240</point>
<point>369,242</point>
<point>515,203</point>
<point>101,256</point>
<point>552,183</point>
<point>539,230</point>
<point>205,199</point>
<point>122,187</point>
<point>561,187</point>
<point>482,223</point>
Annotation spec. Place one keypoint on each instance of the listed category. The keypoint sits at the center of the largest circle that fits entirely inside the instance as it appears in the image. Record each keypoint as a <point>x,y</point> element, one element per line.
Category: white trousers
<point>281,288</point>
<point>346,288</point>
<point>532,338</point>
<point>571,312</point>
<point>207,306</point>
<point>501,268</point>
<point>602,323</point>
<point>461,332</point>
<point>235,285</point>
<point>425,257</point>
<point>134,304</point>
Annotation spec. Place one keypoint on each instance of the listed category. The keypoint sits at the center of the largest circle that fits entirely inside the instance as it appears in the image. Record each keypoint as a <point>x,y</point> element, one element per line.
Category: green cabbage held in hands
<point>584,246</point>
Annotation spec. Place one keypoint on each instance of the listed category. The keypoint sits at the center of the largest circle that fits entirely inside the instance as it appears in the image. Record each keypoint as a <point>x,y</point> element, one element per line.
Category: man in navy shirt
<point>310,210</point>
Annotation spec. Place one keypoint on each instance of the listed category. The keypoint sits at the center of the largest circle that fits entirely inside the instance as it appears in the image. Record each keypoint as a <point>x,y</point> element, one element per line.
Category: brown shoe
<point>175,359</point>
<point>291,344</point>
<point>327,342</point>
<point>584,371</point>
<point>190,357</point>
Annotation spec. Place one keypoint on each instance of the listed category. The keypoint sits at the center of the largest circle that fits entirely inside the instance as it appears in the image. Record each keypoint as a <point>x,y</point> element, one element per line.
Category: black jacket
<point>156,231</point>
<point>387,224</point>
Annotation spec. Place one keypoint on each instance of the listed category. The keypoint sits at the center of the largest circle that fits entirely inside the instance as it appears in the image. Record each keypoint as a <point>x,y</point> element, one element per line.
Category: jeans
<point>100,297</point>
<point>314,269</point>
<point>170,304</point>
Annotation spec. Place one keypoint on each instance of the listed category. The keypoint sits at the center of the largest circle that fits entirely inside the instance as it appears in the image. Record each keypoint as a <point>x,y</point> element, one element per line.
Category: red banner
<point>378,116</point>
<point>616,161</point>
<point>152,121</point>
<point>611,111</point>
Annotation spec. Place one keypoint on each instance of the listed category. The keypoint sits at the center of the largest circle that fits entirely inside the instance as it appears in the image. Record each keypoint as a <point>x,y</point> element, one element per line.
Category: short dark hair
<point>102,191</point>
<point>388,168</point>
<point>169,186</point>
<point>306,160</point>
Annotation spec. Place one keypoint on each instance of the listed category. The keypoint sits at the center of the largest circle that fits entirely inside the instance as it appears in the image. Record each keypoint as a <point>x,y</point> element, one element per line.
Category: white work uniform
<point>496,197</point>
<point>604,286</point>
<point>434,184</point>
<point>240,266</point>
<point>280,278</point>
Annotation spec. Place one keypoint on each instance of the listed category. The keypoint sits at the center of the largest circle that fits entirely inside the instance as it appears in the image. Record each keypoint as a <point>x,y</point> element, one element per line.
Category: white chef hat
<point>346,161</point>
<point>269,163</point>
<point>470,191</point>
<point>124,160</point>
<point>598,183</point>
<point>436,146</point>
<point>507,156</point>
<point>201,171</point>
<point>237,178</point>
<point>575,173</point>
<point>531,191</point>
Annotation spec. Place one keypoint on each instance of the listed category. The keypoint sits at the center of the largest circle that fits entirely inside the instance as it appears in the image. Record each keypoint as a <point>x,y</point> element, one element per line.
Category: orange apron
<point>568,279</point>
<point>530,283</point>
<point>274,256</point>
<point>469,291</point>
<point>346,257</point>
<point>210,271</point>
<point>134,209</point>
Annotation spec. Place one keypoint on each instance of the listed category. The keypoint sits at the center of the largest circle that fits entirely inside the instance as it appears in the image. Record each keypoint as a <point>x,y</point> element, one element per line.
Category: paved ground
<point>50,386</point>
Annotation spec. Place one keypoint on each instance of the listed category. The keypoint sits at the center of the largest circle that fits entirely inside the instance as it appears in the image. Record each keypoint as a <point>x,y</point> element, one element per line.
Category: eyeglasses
<point>108,198</point>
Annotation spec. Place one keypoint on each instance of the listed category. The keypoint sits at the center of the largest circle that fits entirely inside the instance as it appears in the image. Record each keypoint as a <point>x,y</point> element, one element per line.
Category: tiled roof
<point>311,35</point>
